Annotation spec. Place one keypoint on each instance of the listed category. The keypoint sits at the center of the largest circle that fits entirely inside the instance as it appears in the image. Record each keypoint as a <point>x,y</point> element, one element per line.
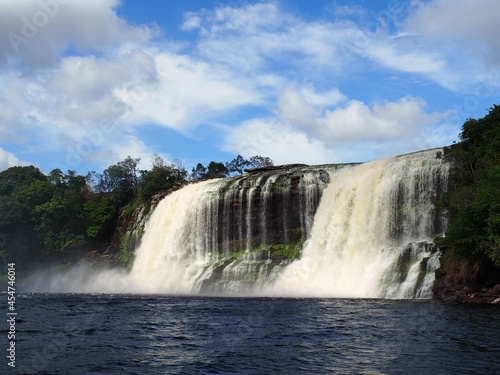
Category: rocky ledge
<point>467,281</point>
<point>467,294</point>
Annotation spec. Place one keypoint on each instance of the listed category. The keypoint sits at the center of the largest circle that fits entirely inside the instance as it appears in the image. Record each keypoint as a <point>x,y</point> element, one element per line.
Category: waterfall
<point>370,230</point>
<point>333,231</point>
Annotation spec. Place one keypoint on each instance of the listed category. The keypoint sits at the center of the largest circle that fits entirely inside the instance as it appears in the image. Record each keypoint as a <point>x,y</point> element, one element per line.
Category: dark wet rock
<point>465,281</point>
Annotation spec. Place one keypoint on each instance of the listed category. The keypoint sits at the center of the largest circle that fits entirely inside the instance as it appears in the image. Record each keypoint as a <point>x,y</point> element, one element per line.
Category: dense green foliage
<point>162,176</point>
<point>46,217</point>
<point>472,203</point>
<point>41,215</point>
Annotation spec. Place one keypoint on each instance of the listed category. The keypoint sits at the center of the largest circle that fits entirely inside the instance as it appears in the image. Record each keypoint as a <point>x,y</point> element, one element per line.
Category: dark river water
<point>130,334</point>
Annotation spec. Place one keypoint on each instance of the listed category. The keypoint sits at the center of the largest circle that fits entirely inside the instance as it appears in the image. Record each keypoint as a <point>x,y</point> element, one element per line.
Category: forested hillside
<point>471,262</point>
<point>473,201</point>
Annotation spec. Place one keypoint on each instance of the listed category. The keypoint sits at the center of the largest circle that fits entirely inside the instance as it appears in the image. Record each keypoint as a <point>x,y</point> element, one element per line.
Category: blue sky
<point>84,84</point>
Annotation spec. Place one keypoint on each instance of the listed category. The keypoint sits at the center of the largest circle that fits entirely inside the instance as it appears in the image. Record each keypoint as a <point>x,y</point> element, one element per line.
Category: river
<point>161,334</point>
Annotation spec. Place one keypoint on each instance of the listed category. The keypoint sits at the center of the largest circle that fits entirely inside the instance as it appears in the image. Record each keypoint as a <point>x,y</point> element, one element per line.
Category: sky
<point>84,84</point>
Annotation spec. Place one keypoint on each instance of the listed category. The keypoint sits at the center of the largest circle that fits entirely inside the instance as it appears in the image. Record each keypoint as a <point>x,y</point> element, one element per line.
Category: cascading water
<point>367,226</point>
<point>368,217</point>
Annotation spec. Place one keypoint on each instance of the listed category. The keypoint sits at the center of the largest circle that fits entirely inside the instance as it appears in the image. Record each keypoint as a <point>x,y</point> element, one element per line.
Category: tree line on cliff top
<point>47,217</point>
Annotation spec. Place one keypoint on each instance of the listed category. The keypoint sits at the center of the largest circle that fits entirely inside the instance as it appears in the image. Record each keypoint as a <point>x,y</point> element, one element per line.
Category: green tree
<point>472,202</point>
<point>238,164</point>
<point>199,172</point>
<point>15,178</point>
<point>216,170</point>
<point>41,215</point>
<point>100,213</point>
<point>258,161</point>
<point>59,223</point>
<point>161,177</point>
<point>18,240</point>
<point>122,177</point>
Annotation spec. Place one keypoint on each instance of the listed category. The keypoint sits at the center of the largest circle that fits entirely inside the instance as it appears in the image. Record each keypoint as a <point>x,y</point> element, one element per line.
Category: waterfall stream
<point>331,231</point>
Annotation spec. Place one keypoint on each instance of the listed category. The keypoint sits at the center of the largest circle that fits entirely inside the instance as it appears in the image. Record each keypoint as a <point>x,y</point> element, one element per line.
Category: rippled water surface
<point>104,334</point>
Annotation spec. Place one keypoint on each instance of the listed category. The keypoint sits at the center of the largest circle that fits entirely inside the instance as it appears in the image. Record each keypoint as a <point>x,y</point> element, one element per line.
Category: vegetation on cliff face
<point>53,217</point>
<point>472,202</point>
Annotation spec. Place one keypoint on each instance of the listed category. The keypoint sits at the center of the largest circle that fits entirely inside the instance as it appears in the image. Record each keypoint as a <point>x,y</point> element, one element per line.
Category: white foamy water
<point>353,244</point>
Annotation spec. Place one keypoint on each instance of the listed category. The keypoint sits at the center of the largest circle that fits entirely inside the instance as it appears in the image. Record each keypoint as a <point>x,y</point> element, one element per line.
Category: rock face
<point>462,280</point>
<point>269,206</point>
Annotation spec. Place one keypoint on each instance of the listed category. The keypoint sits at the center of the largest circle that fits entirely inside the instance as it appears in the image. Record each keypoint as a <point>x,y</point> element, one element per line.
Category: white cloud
<point>38,31</point>
<point>356,121</point>
<point>66,102</point>
<point>190,92</point>
<point>260,36</point>
<point>87,67</point>
<point>456,40</point>
<point>277,140</point>
<point>8,159</point>
<point>400,57</point>
<point>127,145</point>
<point>286,144</point>
<point>304,132</point>
<point>474,23</point>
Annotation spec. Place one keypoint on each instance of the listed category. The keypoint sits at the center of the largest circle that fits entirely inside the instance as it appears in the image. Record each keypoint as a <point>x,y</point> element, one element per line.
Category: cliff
<point>460,279</point>
<point>239,230</point>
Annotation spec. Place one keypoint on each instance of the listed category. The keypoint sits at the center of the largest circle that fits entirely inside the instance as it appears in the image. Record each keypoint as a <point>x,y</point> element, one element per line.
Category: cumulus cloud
<point>278,140</point>
<point>474,23</point>
<point>38,31</point>
<point>126,145</point>
<point>189,92</point>
<point>356,121</point>
<point>8,159</point>
<point>68,103</point>
<point>460,36</point>
<point>285,143</point>
<point>302,129</point>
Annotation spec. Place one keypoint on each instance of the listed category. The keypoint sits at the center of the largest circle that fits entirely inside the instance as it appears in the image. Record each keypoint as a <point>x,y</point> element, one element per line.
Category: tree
<point>56,177</point>
<point>74,182</point>
<point>100,213</point>
<point>216,170</point>
<point>238,164</point>
<point>122,177</point>
<point>42,215</point>
<point>18,240</point>
<point>161,177</point>
<point>472,202</point>
<point>59,223</point>
<point>15,178</point>
<point>258,161</point>
<point>199,172</point>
